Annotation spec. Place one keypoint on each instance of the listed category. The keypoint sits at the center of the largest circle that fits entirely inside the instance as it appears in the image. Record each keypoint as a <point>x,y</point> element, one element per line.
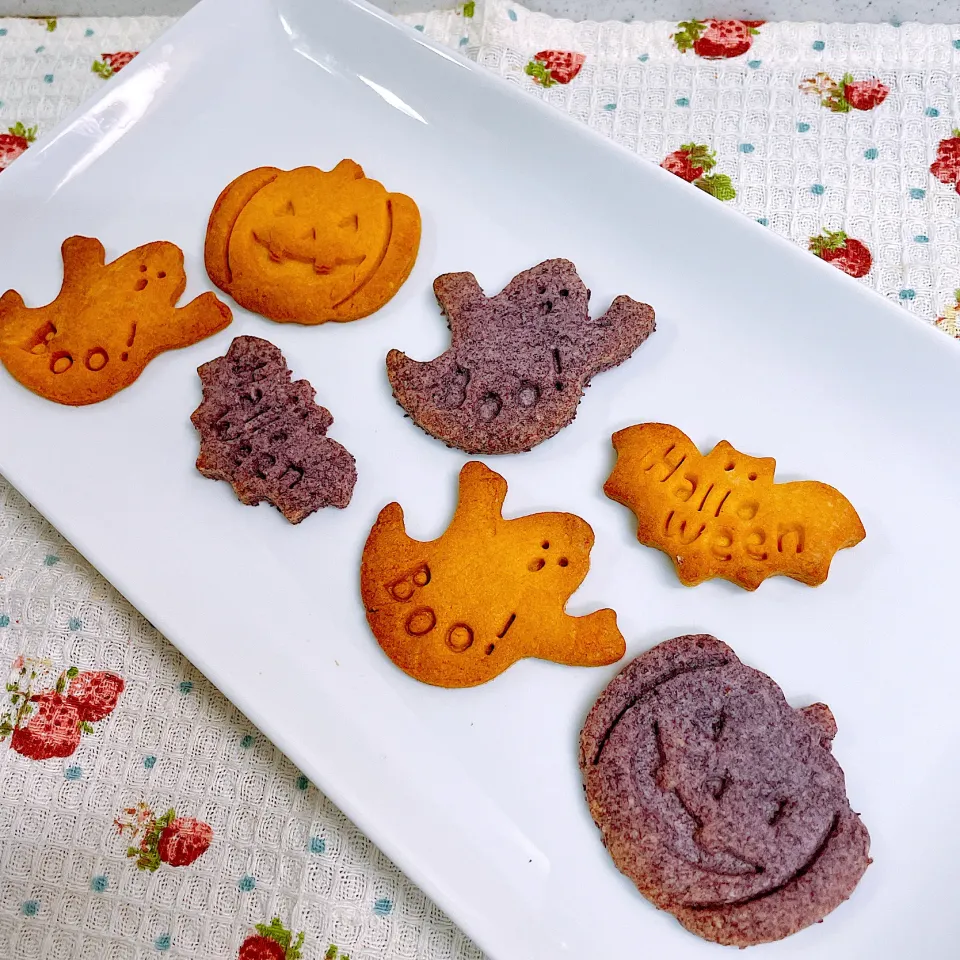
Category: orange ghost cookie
<point>458,610</point>
<point>107,323</point>
<point>308,245</point>
<point>721,515</point>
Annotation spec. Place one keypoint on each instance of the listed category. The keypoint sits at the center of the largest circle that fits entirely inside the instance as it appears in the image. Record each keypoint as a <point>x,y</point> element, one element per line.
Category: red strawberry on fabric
<point>849,255</point>
<point>183,841</point>
<point>52,730</point>
<point>550,67</point>
<point>716,39</point>
<point>112,63</point>
<point>271,942</point>
<point>94,693</point>
<point>946,168</point>
<point>14,142</point>
<point>949,323</point>
<point>847,94</point>
<point>692,160</point>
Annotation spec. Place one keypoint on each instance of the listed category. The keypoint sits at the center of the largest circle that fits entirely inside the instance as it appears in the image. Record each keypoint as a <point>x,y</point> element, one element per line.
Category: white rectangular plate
<point>476,793</point>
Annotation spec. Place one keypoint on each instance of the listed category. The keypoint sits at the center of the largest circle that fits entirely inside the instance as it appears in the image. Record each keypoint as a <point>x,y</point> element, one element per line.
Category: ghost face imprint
<point>309,245</point>
<point>458,610</point>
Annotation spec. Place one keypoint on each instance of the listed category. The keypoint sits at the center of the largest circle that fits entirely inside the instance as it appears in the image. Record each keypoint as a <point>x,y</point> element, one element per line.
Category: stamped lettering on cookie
<point>310,245</point>
<point>106,324</point>
<point>722,803</point>
<point>266,435</point>
<point>722,515</point>
<point>458,610</point>
<point>518,362</point>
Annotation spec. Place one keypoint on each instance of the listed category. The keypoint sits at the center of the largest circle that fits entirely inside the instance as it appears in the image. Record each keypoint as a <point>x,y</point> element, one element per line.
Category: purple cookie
<point>720,801</point>
<point>266,436</point>
<point>518,362</point>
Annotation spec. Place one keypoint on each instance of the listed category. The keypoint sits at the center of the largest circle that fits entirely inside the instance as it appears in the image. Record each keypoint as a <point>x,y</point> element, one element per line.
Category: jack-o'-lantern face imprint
<point>718,799</point>
<point>108,321</point>
<point>459,610</point>
<point>307,245</point>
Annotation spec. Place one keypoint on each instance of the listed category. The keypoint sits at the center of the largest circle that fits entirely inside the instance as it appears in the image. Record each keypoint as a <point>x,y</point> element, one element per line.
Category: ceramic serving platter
<point>476,793</point>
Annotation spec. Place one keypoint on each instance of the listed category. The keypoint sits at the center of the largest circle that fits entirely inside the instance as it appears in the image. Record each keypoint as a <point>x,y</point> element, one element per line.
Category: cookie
<point>722,803</point>
<point>266,436</point>
<point>107,323</point>
<point>722,515</point>
<point>310,245</point>
<point>458,610</point>
<point>518,362</point>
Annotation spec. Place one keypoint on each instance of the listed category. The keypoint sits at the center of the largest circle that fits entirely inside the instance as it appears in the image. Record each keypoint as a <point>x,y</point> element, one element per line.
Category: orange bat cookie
<point>459,610</point>
<point>308,245</point>
<point>721,515</point>
<point>106,324</point>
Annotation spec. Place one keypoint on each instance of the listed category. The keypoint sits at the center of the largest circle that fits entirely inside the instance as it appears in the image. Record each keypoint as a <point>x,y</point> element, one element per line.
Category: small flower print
<point>112,63</point>
<point>716,39</point>
<point>946,167</point>
<point>550,67</point>
<point>274,941</point>
<point>14,142</point>
<point>949,323</point>
<point>177,841</point>
<point>333,953</point>
<point>48,714</point>
<point>693,163</point>
<point>847,94</point>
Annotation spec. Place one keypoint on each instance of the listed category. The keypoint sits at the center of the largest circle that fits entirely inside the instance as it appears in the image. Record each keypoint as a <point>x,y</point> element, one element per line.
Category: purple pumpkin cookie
<point>518,362</point>
<point>722,803</point>
<point>266,436</point>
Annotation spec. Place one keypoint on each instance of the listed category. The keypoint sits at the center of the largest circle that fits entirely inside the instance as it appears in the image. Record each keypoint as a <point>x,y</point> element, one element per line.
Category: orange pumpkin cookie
<point>721,515</point>
<point>458,610</point>
<point>107,323</point>
<point>308,245</point>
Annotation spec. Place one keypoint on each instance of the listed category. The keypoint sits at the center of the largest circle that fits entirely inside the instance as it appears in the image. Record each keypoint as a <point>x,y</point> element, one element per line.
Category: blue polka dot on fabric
<point>609,106</point>
<point>803,127</point>
<point>383,907</point>
<point>921,238</point>
<point>512,14</point>
<point>871,153</point>
<point>464,41</point>
<point>818,189</point>
<point>931,112</point>
<point>4,620</point>
<point>302,782</point>
<point>29,908</point>
<point>162,942</point>
<point>763,221</point>
<point>644,57</point>
<point>908,294</point>
<point>247,742</point>
<point>88,32</point>
<point>149,761</point>
<point>419,27</point>
<point>746,148</point>
<point>3,33</point>
<point>73,773</point>
<point>99,883</point>
<point>186,686</point>
<point>753,64</point>
<point>896,22</point>
<point>75,624</point>
<point>318,845</point>
<point>956,43</point>
<point>682,102</point>
<point>40,49</point>
<point>818,45</point>
<point>247,883</point>
<point>51,560</point>
<point>917,193</point>
<point>48,78</point>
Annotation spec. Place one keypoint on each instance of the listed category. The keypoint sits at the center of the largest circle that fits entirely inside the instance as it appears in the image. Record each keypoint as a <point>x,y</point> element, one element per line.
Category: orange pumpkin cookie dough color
<point>106,324</point>
<point>722,515</point>
<point>309,245</point>
<point>458,610</point>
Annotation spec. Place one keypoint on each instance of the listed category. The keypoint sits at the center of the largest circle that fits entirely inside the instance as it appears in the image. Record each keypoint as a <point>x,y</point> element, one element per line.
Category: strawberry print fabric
<point>141,815</point>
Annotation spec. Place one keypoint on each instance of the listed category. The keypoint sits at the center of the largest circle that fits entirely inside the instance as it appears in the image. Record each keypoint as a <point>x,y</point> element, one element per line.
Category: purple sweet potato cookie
<point>518,362</point>
<point>266,436</point>
<point>720,801</point>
